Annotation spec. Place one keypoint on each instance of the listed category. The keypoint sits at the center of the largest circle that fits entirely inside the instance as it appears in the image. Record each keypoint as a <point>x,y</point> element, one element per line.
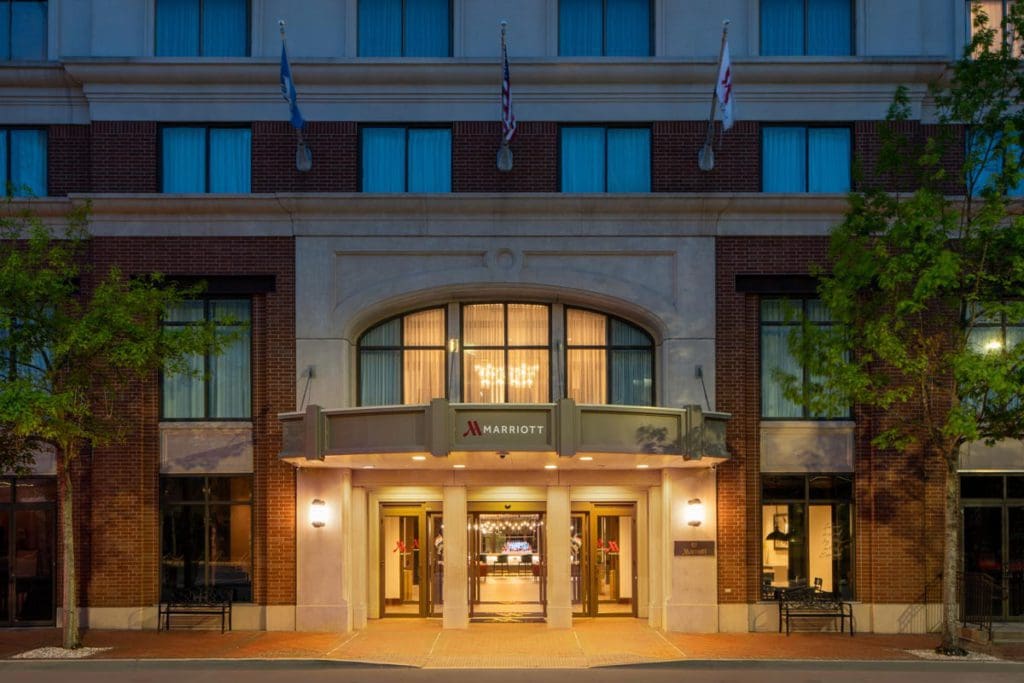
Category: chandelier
<point>520,376</point>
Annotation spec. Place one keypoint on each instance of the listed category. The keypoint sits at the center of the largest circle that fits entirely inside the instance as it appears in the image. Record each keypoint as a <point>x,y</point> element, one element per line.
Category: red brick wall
<point>67,159</point>
<point>474,157</point>
<point>124,156</point>
<point>675,146</point>
<point>897,496</point>
<point>334,146</point>
<point>118,493</point>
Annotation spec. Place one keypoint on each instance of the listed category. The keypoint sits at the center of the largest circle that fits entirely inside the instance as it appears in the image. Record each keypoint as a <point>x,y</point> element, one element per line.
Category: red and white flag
<point>723,88</point>
<point>508,119</point>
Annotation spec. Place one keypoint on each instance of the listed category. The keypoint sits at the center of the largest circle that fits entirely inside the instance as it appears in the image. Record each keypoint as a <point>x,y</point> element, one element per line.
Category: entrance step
<point>1008,633</point>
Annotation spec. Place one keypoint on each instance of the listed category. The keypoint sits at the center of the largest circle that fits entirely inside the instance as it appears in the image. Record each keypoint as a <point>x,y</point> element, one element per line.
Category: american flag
<point>508,119</point>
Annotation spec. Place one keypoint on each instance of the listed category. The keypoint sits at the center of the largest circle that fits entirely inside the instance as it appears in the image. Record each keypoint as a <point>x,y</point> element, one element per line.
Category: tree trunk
<point>951,561</point>
<point>72,637</point>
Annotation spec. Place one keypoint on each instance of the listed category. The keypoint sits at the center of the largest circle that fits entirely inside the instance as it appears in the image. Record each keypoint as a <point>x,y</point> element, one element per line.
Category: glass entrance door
<point>1015,563</point>
<point>411,561</point>
<point>507,565</point>
<point>603,560</point>
<point>27,551</point>
<point>993,538</point>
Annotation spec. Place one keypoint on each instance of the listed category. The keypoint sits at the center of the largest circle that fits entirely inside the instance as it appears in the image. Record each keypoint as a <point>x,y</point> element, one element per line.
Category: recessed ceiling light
<point>367,467</point>
<point>586,457</point>
<point>419,457</point>
<point>459,467</point>
<point>551,467</point>
<point>642,467</point>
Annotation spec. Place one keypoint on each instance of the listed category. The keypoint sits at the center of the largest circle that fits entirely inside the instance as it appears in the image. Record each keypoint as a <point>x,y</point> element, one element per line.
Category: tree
<point>67,350</point>
<point>916,279</point>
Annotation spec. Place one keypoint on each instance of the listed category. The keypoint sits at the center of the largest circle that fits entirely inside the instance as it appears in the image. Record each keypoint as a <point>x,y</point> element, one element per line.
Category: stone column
<point>556,524</point>
<point>656,524</point>
<point>323,563</point>
<point>360,566</point>
<point>693,599</point>
<point>456,597</point>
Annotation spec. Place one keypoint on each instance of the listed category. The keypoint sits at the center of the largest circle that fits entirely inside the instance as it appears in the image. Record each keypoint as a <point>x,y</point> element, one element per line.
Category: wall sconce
<point>694,512</point>
<point>318,513</point>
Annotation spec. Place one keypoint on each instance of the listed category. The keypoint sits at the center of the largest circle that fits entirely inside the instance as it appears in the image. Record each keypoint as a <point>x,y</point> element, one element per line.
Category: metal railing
<point>979,594</point>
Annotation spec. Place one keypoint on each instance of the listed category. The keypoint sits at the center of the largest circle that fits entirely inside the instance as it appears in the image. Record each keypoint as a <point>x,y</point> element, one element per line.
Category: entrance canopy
<point>443,434</point>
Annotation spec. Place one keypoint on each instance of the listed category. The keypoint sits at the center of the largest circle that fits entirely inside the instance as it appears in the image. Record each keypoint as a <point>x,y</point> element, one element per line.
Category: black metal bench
<point>799,603</point>
<point>196,601</point>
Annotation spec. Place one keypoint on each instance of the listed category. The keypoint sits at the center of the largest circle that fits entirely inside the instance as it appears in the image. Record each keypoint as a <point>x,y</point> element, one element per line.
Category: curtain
<point>177,28</point>
<point>632,384</point>
<point>230,160</point>
<point>483,325</point>
<point>383,159</point>
<point>230,382</point>
<point>628,28</point>
<point>527,325</point>
<point>183,393</point>
<point>225,28</point>
<point>580,28</point>
<point>184,160</point>
<point>425,328</point>
<point>528,376</point>
<point>28,163</point>
<point>385,334</point>
<point>782,27</point>
<point>584,328</point>
<point>775,355</point>
<point>784,164</point>
<point>27,30</point>
<point>629,160</point>
<point>828,159</point>
<point>828,27</point>
<point>483,376</point>
<point>423,375</point>
<point>430,160</point>
<point>587,374</point>
<point>583,157</point>
<point>624,334</point>
<point>380,373</point>
<point>426,28</point>
<point>380,28</point>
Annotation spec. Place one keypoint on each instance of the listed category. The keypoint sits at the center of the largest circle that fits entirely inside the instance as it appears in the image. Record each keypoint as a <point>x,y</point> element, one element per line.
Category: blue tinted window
<point>398,159</point>
<point>806,27</point>
<point>596,159</point>
<point>202,28</point>
<point>206,159</point>
<point>23,162</point>
<point>23,29</point>
<point>594,28</point>
<point>404,28</point>
<point>805,159</point>
<point>987,155</point>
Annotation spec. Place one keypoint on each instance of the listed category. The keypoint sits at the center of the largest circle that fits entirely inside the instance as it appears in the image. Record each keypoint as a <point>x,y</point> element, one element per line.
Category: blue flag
<point>288,90</point>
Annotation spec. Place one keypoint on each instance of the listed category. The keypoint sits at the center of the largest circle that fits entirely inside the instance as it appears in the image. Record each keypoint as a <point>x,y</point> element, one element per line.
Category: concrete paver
<point>423,643</point>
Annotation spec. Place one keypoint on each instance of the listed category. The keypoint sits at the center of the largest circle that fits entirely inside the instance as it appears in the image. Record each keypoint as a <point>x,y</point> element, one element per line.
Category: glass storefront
<point>507,566</point>
<point>27,550</point>
<point>993,537</point>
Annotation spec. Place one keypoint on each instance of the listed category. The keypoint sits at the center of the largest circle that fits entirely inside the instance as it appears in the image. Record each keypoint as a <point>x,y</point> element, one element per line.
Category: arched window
<point>607,360</point>
<point>402,360</point>
<point>503,354</point>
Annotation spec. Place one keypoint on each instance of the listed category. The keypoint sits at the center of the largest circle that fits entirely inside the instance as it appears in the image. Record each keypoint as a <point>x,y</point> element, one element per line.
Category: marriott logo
<point>474,428</point>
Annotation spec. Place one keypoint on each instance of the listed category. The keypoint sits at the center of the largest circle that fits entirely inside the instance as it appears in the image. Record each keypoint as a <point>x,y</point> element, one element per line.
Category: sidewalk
<point>423,643</point>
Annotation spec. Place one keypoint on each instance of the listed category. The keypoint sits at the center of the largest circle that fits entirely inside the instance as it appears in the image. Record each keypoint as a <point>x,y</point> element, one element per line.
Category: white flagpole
<point>706,157</point>
<point>303,155</point>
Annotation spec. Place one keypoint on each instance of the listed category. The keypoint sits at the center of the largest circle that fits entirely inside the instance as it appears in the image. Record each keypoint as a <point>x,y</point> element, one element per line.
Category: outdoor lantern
<point>694,512</point>
<point>318,513</point>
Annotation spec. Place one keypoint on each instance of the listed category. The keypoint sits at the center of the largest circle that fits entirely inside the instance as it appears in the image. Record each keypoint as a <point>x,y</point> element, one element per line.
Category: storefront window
<point>206,540</point>
<point>807,525</point>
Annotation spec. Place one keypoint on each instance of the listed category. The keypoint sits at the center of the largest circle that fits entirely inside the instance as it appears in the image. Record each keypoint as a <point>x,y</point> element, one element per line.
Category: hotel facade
<point>460,393</point>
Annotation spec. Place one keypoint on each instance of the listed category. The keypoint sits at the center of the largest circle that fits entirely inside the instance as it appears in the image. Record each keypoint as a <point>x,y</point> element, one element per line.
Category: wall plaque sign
<point>695,548</point>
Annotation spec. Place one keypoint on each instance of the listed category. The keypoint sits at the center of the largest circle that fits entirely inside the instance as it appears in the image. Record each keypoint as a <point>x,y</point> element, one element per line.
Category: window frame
<point>206,504</point>
<point>407,127</point>
<point>807,33</point>
<point>607,348</point>
<point>199,29</point>
<point>207,373</point>
<point>6,132</point>
<point>807,152</point>
<point>401,32</point>
<point>625,125</point>
<point>45,47</point>
<point>805,375</point>
<point>401,348</point>
<point>506,347</point>
<point>604,33</point>
<point>807,501</point>
<point>207,128</point>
